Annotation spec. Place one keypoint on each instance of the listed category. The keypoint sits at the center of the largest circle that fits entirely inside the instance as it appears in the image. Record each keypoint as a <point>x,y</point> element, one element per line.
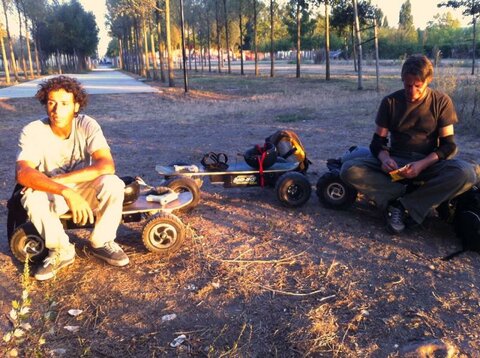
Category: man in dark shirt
<point>420,123</point>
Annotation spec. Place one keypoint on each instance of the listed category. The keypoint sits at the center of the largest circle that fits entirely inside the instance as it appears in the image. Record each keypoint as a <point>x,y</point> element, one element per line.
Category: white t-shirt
<point>53,155</point>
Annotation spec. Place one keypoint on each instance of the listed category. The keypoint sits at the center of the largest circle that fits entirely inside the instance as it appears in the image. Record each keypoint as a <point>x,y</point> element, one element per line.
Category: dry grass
<point>253,279</point>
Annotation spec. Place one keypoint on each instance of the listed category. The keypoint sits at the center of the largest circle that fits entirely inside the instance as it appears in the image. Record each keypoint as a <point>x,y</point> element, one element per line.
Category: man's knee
<point>351,171</point>
<point>34,201</point>
<point>111,185</point>
<point>465,172</point>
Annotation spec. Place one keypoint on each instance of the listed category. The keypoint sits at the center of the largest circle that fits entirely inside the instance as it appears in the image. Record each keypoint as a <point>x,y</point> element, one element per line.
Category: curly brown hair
<point>68,84</point>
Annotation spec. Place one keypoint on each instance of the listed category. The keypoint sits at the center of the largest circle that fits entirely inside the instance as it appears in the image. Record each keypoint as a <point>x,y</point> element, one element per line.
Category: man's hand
<point>389,164</point>
<point>413,169</point>
<point>81,211</point>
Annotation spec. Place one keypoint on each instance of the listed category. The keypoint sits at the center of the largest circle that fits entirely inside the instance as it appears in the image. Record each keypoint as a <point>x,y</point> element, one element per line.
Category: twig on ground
<point>286,260</point>
<point>296,293</point>
<point>332,266</point>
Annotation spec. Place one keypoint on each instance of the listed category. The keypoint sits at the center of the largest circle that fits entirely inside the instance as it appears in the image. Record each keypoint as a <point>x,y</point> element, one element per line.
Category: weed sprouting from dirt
<point>21,339</point>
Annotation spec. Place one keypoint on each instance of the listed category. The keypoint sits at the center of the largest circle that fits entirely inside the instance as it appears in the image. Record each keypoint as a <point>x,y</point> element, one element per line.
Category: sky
<point>423,11</point>
<point>99,9</point>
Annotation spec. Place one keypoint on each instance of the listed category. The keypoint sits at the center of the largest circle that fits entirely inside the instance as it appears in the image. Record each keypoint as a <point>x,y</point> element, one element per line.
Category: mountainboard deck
<point>237,168</point>
<point>141,205</point>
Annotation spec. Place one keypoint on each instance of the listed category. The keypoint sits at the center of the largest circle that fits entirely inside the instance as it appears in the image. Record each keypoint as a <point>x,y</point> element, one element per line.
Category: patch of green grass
<point>301,115</point>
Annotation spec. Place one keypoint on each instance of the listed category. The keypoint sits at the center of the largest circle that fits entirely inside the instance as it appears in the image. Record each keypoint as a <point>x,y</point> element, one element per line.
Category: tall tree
<point>298,19</point>
<point>3,33</point>
<point>217,30</point>
<point>359,43</point>
<point>470,8</point>
<point>405,17</point>
<point>255,36</point>
<point>299,23</point>
<point>226,35</point>
<point>272,30</point>
<point>13,62</point>
<point>240,24</point>
<point>158,20</point>
<point>23,63</point>
<point>171,76</point>
<point>327,41</point>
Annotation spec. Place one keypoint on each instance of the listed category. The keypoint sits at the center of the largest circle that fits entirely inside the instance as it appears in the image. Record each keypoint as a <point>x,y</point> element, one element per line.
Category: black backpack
<point>17,215</point>
<point>466,221</point>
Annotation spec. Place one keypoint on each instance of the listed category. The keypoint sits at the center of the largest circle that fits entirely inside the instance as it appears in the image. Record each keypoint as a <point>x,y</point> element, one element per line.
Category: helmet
<point>132,190</point>
<point>253,155</point>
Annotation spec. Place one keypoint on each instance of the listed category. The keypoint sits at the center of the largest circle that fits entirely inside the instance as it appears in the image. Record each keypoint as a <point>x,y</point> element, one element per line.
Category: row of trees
<point>50,34</point>
<point>218,31</point>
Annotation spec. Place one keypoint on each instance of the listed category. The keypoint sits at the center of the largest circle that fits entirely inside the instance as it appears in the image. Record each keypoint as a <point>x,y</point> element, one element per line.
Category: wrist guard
<point>378,144</point>
<point>446,147</point>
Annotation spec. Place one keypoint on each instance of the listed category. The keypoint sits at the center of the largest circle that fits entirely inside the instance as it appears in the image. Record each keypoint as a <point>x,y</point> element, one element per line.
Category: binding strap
<point>215,161</point>
<point>261,159</point>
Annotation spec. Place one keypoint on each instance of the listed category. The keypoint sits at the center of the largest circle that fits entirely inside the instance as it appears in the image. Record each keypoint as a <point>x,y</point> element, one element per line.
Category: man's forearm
<point>86,174</point>
<point>32,178</point>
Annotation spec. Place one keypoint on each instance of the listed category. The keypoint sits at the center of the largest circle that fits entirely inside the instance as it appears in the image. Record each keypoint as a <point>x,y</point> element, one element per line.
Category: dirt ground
<point>253,279</point>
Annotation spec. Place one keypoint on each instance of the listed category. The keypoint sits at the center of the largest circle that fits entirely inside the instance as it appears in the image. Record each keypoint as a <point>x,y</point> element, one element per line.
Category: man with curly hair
<point>65,164</point>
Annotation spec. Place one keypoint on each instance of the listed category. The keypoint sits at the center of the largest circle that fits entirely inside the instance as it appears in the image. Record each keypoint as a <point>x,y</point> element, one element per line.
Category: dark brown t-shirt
<point>414,126</point>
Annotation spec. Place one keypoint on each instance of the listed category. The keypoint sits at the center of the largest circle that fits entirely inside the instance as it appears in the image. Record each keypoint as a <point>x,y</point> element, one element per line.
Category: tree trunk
<point>59,63</point>
<point>327,41</point>
<point>160,42</point>
<point>120,54</point>
<point>359,44</point>
<point>146,71</point>
<point>29,50</point>
<point>255,39</point>
<point>5,61</point>
<point>354,48</point>
<point>20,40</point>
<point>13,62</point>
<point>474,43</point>
<point>154,56</point>
<point>171,77</point>
<point>209,44</point>
<point>195,49</point>
<point>377,59</point>
<point>272,53</point>
<point>240,18</point>
<point>189,50</point>
<point>226,35</point>
<point>217,22</point>
<point>299,34</point>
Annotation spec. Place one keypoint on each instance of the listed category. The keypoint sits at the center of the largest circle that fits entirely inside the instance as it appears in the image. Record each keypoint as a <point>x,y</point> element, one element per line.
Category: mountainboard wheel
<point>26,241</point>
<point>333,193</point>
<point>183,184</point>
<point>293,189</point>
<point>163,234</point>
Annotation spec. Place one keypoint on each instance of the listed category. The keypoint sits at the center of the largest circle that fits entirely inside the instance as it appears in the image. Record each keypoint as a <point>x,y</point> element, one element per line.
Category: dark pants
<point>441,181</point>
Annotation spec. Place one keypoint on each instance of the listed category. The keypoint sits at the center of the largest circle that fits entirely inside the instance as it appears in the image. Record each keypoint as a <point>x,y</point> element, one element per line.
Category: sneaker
<point>395,217</point>
<point>112,253</point>
<point>55,260</point>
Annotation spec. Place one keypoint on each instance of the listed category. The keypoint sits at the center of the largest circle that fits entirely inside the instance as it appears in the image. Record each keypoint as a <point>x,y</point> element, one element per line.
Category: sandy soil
<point>253,277</point>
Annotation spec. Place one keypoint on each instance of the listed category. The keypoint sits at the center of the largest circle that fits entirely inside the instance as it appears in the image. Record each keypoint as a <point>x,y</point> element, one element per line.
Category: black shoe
<point>395,218</point>
<point>111,253</point>
<point>411,224</point>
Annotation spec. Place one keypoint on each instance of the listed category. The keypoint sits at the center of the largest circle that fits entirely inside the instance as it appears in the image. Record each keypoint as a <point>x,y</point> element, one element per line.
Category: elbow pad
<point>378,144</point>
<point>446,147</point>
